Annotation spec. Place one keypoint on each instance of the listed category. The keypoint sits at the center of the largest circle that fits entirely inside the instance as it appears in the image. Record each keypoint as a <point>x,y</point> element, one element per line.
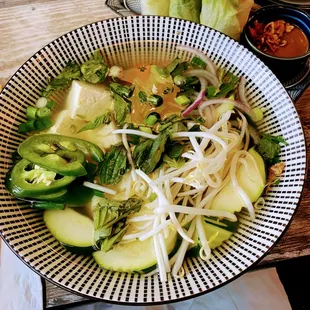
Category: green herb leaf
<point>122,107</point>
<point>63,80</point>
<point>175,150</point>
<point>122,90</point>
<point>104,118</point>
<point>270,147</point>
<point>141,152</point>
<point>94,70</point>
<point>110,220</point>
<point>174,162</point>
<point>113,166</point>
<point>155,154</point>
<point>228,85</point>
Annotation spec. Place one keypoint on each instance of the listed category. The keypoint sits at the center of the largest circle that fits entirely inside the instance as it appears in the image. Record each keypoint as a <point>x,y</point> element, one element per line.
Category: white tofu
<point>105,137</point>
<point>86,101</point>
<point>102,136</point>
<point>65,125</point>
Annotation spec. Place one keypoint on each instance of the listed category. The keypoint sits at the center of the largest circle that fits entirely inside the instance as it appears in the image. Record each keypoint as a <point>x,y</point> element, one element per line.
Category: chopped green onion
<point>142,96</point>
<point>182,100</point>
<point>42,123</point>
<point>198,63</point>
<point>257,115</point>
<point>179,80</point>
<point>31,112</point>
<point>122,90</point>
<point>155,100</point>
<point>180,68</point>
<point>41,102</point>
<point>152,119</point>
<point>146,129</point>
<point>51,104</point>
<point>26,127</point>
<point>172,66</point>
<point>44,112</point>
<point>182,81</point>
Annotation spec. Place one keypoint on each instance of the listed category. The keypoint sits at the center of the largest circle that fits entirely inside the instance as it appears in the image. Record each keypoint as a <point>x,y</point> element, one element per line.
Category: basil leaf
<point>155,154</point>
<point>113,166</point>
<point>270,147</point>
<point>94,70</point>
<point>121,109</point>
<point>63,80</point>
<point>110,220</point>
<point>104,118</point>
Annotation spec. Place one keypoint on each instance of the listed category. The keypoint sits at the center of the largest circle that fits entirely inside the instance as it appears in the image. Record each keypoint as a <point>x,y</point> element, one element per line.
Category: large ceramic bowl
<point>128,42</point>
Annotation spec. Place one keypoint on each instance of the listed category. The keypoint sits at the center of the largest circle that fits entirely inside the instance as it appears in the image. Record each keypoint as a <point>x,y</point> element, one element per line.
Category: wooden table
<point>28,25</point>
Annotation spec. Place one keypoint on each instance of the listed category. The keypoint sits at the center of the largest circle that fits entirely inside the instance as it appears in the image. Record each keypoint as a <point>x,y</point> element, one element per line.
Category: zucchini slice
<point>217,232</point>
<point>136,256</point>
<point>71,228</point>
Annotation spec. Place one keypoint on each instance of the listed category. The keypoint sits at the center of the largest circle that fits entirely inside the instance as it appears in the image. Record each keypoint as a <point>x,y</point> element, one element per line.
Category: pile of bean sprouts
<point>184,195</point>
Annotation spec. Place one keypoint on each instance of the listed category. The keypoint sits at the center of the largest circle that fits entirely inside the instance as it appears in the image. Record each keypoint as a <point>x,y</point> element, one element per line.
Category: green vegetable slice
<point>64,155</point>
<point>28,180</point>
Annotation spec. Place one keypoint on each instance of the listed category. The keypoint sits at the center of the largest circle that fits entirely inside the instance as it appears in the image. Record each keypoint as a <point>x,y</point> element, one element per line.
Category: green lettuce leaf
<point>155,7</point>
<point>221,15</point>
<point>186,9</point>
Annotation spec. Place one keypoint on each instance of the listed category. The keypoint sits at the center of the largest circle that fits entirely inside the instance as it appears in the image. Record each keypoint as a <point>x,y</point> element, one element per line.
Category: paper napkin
<point>20,287</point>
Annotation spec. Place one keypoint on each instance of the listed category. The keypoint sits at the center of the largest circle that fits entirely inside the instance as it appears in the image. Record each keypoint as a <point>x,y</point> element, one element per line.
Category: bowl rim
<point>179,299</point>
<point>276,7</point>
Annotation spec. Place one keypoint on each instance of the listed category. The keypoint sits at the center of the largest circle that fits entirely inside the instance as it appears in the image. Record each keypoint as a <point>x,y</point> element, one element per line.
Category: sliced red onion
<point>210,64</point>
<point>204,74</point>
<point>199,99</point>
<point>239,105</point>
<point>214,101</point>
<point>241,92</point>
<point>243,107</point>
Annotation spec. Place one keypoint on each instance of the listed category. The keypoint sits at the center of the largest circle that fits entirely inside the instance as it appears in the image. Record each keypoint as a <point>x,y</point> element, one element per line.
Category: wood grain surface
<point>28,25</point>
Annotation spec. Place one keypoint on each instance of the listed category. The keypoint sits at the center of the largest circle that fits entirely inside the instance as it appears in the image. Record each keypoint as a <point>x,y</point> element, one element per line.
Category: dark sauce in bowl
<point>279,38</point>
<point>290,61</point>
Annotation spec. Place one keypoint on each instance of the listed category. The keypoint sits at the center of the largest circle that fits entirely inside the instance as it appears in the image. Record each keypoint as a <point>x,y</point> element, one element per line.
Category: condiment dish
<point>284,67</point>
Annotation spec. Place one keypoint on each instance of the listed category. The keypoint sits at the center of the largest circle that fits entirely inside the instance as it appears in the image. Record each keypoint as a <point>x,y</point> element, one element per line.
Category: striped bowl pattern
<point>130,41</point>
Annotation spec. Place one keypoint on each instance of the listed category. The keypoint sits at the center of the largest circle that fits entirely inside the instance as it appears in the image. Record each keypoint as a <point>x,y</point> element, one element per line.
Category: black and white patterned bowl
<point>127,42</point>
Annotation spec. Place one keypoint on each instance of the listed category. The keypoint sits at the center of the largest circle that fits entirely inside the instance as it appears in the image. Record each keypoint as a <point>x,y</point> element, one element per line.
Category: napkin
<point>255,290</point>
<point>20,287</point>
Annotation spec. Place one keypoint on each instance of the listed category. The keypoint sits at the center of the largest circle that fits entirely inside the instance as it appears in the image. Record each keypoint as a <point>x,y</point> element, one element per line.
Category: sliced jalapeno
<point>26,179</point>
<point>61,154</point>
